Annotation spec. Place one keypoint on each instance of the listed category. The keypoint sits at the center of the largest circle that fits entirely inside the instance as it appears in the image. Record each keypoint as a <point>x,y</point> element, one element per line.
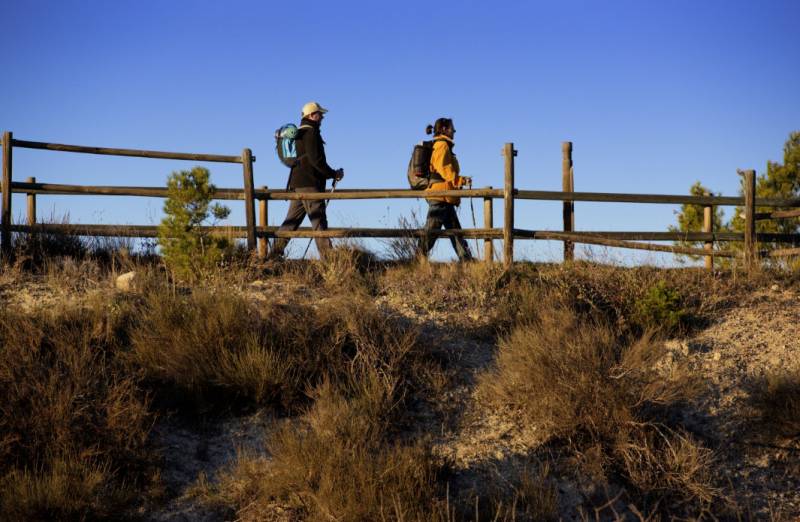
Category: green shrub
<point>660,309</point>
<point>189,250</point>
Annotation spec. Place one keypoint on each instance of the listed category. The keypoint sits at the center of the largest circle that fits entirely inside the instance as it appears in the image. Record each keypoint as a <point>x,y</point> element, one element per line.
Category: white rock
<point>126,281</point>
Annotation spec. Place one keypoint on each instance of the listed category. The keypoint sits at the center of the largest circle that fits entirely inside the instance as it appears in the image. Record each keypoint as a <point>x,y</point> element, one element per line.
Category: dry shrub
<point>632,300</point>
<point>524,494</point>
<point>777,401</point>
<point>468,290</point>
<point>583,383</point>
<point>215,340</point>
<point>338,464</point>
<point>344,458</point>
<point>69,489</point>
<point>73,421</point>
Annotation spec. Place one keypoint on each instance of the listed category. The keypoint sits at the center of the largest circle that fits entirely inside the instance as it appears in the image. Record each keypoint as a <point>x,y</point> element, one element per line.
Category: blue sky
<point>654,95</point>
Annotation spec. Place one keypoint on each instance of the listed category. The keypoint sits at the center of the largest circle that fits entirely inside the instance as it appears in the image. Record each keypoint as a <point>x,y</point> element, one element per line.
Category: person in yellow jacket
<point>442,210</point>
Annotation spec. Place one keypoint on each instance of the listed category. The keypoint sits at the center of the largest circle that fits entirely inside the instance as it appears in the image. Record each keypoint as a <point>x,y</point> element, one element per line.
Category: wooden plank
<point>263,222</point>
<point>5,208</point>
<point>784,252</point>
<point>55,189</point>
<point>750,241</point>
<point>708,228</point>
<point>282,195</point>
<point>127,152</point>
<point>569,206</point>
<point>585,238</point>
<point>241,232</point>
<point>31,204</point>
<point>488,223</point>
<point>377,194</point>
<point>778,214</point>
<point>508,205</point>
<point>249,202</point>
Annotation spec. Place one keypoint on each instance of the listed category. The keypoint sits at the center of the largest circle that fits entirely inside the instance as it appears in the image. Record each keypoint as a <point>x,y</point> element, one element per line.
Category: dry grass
<point>220,345</point>
<point>573,358</point>
<point>74,423</point>
<point>577,378</point>
<point>777,401</point>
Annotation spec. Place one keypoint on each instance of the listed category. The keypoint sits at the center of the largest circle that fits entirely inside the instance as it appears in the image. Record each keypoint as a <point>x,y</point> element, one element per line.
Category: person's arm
<point>443,164</point>
<point>315,153</point>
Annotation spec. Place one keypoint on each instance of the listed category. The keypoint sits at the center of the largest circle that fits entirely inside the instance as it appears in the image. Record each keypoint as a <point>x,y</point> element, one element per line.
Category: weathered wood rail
<point>257,234</point>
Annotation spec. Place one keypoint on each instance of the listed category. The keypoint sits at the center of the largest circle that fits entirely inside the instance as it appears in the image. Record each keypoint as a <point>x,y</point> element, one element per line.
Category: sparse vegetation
<point>777,401</point>
<point>357,359</point>
<point>577,379</point>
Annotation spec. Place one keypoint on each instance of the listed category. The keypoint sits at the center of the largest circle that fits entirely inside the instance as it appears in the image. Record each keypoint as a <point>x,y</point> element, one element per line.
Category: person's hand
<point>339,174</point>
<point>467,181</point>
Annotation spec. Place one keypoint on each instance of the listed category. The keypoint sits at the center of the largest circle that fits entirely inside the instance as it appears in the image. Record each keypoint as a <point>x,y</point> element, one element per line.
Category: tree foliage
<point>190,251</point>
<point>780,180</point>
<point>691,219</point>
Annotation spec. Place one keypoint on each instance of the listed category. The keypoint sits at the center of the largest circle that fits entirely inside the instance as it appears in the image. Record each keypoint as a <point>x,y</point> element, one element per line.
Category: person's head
<point>442,126</point>
<point>313,111</point>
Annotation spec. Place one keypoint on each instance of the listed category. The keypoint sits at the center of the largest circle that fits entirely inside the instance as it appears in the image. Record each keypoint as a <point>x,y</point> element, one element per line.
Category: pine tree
<point>189,251</point>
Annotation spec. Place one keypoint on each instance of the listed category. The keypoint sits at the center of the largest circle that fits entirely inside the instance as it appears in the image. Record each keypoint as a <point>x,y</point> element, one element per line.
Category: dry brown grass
<point>577,378</point>
<point>572,359</point>
<point>73,421</point>
<point>216,340</point>
<point>777,402</point>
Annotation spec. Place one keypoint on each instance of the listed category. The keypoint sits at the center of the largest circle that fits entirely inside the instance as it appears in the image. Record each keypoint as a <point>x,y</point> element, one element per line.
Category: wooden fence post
<point>508,204</point>
<point>488,222</point>
<point>31,204</point>
<point>568,185</point>
<point>249,202</point>
<point>262,222</point>
<point>708,227</point>
<point>5,216</point>
<point>750,253</point>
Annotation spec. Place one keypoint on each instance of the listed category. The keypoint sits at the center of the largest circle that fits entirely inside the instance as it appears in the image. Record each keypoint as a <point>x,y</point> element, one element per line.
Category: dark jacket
<point>312,169</point>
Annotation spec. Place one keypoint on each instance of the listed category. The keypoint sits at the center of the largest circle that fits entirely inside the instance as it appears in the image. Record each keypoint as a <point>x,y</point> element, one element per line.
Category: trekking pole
<point>333,189</point>
<point>474,223</point>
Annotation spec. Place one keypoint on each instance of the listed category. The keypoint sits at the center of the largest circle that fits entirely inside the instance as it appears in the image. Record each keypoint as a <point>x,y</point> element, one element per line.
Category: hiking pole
<point>474,223</point>
<point>333,189</point>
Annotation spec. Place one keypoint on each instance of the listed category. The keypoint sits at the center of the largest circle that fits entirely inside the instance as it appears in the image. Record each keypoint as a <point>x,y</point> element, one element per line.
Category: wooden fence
<point>257,234</point>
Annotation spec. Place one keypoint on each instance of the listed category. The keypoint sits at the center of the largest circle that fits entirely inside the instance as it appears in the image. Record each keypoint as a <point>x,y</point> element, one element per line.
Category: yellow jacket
<point>445,163</point>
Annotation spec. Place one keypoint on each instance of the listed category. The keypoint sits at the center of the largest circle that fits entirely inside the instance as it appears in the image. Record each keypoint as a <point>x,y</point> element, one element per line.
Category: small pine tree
<point>189,251</point>
<point>690,219</point>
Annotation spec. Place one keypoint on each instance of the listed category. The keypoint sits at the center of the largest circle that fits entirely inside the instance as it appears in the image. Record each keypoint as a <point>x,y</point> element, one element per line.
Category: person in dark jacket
<point>442,210</point>
<point>309,175</point>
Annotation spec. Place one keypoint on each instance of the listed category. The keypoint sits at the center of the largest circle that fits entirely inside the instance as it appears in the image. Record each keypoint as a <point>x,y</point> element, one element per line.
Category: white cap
<point>312,107</point>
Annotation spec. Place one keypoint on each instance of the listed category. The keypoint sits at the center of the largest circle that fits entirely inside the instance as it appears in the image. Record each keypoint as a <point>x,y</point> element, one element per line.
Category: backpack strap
<point>433,172</point>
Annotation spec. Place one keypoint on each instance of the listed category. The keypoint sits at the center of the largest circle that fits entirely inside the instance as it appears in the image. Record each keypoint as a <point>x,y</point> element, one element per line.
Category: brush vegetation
<point>577,356</point>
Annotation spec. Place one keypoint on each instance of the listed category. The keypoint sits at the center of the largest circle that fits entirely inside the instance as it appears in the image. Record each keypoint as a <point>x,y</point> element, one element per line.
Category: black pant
<point>444,214</point>
<point>298,210</point>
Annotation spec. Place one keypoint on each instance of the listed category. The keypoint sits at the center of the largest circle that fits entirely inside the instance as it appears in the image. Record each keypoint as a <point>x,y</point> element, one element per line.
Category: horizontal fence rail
<point>126,152</point>
<point>260,232</point>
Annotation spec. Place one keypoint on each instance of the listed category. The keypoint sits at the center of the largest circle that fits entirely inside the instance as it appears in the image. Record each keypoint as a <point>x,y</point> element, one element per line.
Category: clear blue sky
<point>654,95</point>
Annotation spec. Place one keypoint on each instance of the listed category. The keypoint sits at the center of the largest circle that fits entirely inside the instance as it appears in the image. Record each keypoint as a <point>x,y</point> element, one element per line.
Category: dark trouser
<point>444,214</point>
<point>298,210</point>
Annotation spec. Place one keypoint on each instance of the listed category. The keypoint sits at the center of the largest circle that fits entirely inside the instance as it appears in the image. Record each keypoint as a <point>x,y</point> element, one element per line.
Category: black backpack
<point>419,166</point>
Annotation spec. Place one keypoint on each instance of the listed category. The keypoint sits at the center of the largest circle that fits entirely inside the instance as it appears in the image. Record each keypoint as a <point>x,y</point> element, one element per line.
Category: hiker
<point>308,175</point>
<point>442,210</point>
